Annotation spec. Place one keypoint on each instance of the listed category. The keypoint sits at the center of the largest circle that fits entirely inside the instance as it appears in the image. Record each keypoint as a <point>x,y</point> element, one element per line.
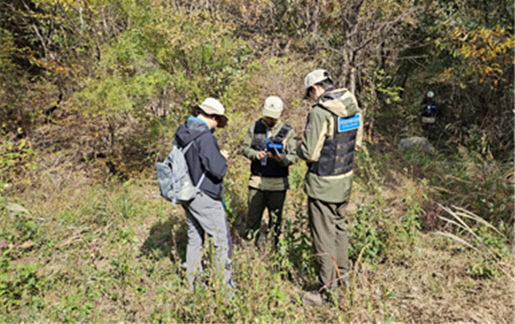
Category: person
<point>270,146</point>
<point>429,114</point>
<point>333,129</point>
<point>205,213</point>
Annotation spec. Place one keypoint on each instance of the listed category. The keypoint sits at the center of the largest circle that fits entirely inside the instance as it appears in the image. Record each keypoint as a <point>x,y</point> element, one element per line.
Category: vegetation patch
<point>91,93</point>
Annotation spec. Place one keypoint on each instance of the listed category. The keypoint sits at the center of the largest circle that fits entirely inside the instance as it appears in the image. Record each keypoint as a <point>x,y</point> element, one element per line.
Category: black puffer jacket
<point>203,156</point>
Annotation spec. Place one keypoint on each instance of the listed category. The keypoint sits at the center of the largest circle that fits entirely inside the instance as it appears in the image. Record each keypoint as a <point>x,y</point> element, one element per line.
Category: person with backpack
<point>333,130</point>
<point>205,213</point>
<point>270,146</point>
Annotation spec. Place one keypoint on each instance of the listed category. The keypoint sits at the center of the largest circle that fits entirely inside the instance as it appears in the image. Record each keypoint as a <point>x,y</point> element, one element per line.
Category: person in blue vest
<point>333,130</point>
<point>270,146</point>
<point>429,115</point>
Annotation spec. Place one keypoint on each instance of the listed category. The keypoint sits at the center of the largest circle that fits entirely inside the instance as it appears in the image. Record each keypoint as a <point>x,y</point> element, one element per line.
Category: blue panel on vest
<point>347,124</point>
<point>272,146</point>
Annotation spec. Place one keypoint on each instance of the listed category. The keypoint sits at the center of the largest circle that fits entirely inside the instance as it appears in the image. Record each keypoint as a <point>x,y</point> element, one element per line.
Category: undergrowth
<point>429,235</point>
<point>112,252</point>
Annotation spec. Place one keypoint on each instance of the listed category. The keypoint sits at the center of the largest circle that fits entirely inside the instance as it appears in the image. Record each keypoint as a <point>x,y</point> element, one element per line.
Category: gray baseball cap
<point>313,78</point>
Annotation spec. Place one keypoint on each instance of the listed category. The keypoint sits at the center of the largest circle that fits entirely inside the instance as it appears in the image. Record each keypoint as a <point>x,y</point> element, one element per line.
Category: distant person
<point>334,127</point>
<point>270,146</point>
<point>429,115</point>
<point>205,213</point>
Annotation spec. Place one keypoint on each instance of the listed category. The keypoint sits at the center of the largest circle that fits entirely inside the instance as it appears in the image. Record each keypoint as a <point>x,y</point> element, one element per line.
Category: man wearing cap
<point>333,129</point>
<point>205,213</point>
<point>269,145</point>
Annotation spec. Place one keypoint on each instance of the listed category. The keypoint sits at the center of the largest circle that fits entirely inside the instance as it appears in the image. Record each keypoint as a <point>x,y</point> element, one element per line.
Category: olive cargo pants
<point>258,201</point>
<point>327,223</point>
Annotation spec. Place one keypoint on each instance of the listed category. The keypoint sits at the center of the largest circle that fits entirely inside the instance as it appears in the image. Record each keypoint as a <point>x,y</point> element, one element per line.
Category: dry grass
<point>110,252</point>
<point>432,287</point>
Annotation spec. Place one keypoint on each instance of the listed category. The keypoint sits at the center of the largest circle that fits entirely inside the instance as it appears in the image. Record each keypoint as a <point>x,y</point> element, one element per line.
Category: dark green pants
<point>327,222</point>
<point>273,201</point>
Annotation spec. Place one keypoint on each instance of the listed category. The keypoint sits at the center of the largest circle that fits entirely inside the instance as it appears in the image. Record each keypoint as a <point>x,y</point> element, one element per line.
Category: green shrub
<point>149,77</point>
<point>368,233</point>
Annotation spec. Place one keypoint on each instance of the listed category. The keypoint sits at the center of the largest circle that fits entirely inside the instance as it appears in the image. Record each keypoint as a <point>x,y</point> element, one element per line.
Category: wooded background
<point>108,79</point>
<point>92,91</point>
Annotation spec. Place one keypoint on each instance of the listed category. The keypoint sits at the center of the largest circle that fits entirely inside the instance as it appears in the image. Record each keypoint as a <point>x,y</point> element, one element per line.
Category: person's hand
<point>260,155</point>
<point>224,154</point>
<point>279,157</point>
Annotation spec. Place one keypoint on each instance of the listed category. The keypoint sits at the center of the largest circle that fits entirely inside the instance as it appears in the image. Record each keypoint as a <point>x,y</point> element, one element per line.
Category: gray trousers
<point>206,215</point>
<point>327,222</point>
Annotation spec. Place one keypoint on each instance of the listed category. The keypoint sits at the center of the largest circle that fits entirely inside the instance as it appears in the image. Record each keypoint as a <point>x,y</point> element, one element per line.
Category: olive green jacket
<point>264,183</point>
<point>319,126</point>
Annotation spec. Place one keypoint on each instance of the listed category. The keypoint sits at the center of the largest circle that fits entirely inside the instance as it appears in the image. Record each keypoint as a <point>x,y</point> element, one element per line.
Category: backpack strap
<point>200,180</point>
<point>185,149</point>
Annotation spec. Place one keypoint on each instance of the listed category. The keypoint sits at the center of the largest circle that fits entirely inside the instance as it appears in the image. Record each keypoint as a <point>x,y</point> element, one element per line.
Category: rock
<point>416,141</point>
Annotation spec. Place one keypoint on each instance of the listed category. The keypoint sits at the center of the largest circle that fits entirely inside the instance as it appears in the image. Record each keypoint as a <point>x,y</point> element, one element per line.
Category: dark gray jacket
<point>203,156</point>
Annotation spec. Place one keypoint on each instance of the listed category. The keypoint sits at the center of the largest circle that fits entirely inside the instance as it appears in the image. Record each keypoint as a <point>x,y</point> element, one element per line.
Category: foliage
<point>468,63</point>
<point>373,235</point>
<point>295,255</point>
<point>155,70</point>
<point>21,284</point>
<point>16,160</point>
<point>92,91</point>
<point>483,186</point>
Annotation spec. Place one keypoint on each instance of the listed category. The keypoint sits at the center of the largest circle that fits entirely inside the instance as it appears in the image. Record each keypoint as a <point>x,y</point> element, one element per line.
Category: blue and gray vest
<point>337,155</point>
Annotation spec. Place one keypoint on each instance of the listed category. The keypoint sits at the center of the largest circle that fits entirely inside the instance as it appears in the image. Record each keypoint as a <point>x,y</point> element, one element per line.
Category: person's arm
<point>213,161</point>
<point>247,150</point>
<point>314,137</point>
<point>291,156</point>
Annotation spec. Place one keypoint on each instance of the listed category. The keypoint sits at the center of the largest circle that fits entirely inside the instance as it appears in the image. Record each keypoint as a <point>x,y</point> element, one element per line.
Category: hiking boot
<point>314,298</point>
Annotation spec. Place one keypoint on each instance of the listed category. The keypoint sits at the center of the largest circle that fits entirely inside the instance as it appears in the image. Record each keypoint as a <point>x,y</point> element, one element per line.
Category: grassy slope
<point>108,251</point>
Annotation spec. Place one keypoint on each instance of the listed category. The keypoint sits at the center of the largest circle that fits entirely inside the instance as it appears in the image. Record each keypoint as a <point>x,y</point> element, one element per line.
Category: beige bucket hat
<point>212,106</point>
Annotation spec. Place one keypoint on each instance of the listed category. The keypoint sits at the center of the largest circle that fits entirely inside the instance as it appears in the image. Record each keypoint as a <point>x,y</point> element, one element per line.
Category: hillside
<point>92,93</point>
